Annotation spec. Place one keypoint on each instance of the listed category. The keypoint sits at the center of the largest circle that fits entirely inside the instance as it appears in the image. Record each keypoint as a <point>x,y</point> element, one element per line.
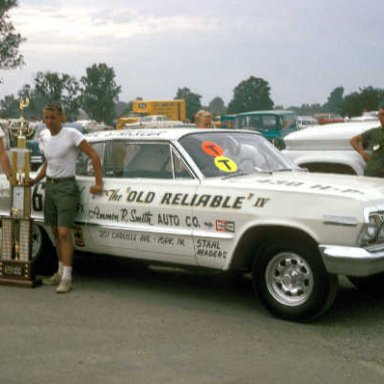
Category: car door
<point>85,178</point>
<point>141,213</point>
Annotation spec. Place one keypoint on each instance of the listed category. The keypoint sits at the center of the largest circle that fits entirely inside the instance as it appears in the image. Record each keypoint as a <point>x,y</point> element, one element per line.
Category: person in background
<point>60,146</point>
<point>4,161</point>
<point>374,140</point>
<point>203,119</point>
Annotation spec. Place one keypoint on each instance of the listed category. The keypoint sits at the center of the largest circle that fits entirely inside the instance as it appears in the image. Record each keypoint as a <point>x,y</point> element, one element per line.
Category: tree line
<point>97,92</point>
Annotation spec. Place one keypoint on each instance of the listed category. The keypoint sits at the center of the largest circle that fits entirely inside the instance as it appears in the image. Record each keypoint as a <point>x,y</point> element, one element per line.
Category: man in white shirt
<point>60,147</point>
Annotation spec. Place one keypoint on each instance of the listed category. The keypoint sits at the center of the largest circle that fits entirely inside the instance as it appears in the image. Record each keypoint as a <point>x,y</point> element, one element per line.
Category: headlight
<point>373,230</point>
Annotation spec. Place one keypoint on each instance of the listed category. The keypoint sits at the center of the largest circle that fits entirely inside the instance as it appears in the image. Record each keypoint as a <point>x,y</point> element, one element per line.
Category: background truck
<point>173,109</point>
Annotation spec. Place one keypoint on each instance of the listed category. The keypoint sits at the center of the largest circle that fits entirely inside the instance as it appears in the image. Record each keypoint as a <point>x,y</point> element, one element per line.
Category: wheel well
<point>329,168</point>
<point>254,239</point>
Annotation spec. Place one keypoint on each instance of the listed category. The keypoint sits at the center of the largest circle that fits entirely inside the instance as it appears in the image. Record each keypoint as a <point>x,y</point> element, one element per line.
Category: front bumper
<point>353,261</point>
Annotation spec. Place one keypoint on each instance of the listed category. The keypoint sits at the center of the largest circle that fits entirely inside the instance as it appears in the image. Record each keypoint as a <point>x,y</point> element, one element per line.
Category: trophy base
<point>20,283</point>
<point>16,273</point>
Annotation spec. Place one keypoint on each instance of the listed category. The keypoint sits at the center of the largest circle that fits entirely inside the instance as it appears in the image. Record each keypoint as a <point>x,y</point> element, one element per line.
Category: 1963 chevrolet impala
<point>226,200</point>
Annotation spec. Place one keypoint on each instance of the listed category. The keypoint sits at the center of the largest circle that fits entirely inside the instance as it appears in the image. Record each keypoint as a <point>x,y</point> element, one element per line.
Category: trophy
<point>16,266</point>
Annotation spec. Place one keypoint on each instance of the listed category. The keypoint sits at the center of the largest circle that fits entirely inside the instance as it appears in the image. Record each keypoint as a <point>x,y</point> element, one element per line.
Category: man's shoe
<point>64,287</point>
<point>53,280</point>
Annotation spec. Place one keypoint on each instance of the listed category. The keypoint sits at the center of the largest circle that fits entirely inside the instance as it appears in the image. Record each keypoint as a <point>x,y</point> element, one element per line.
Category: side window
<point>180,169</point>
<point>270,122</point>
<point>84,165</point>
<point>114,159</point>
<point>148,160</point>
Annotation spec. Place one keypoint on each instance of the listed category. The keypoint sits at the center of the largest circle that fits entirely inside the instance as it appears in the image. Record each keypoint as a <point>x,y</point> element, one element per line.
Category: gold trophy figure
<point>16,266</point>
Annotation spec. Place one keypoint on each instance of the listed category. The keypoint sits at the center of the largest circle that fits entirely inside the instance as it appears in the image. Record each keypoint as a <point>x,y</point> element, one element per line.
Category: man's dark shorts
<point>61,202</point>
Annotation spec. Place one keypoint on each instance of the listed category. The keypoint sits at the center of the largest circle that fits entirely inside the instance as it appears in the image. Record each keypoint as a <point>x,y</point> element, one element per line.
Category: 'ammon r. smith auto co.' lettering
<point>125,216</point>
<point>133,217</point>
<point>99,215</point>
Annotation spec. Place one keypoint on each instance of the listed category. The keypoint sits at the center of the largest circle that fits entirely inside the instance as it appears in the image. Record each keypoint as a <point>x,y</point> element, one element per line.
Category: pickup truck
<point>326,148</point>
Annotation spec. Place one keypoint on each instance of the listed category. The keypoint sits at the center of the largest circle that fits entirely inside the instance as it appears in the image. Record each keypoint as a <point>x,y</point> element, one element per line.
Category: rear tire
<point>291,280</point>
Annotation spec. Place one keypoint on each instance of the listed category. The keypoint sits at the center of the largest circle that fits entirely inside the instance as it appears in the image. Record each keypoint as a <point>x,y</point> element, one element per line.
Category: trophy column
<point>16,266</point>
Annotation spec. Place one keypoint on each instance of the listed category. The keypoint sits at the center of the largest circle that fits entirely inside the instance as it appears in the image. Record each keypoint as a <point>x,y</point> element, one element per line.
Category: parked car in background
<point>226,121</point>
<point>154,121</point>
<point>327,148</point>
<point>88,126</point>
<point>273,124</point>
<point>14,130</point>
<point>306,121</point>
<point>367,116</point>
<point>328,118</point>
<point>225,200</point>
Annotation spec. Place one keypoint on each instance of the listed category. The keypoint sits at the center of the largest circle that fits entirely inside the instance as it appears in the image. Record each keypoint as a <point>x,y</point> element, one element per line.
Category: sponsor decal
<point>210,248</point>
<point>225,226</point>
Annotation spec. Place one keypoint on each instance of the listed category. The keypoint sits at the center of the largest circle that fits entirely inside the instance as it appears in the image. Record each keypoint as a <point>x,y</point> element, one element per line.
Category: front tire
<point>43,253</point>
<point>291,280</point>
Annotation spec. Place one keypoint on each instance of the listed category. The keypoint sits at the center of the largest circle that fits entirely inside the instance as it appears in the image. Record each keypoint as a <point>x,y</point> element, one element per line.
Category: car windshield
<point>225,153</point>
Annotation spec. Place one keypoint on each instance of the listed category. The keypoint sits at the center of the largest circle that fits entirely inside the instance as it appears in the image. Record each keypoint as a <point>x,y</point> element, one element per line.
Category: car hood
<point>356,187</point>
<point>327,137</point>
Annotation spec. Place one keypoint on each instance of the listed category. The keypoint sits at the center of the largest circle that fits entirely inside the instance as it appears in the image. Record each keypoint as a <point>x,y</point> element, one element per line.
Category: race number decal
<point>225,164</point>
<point>212,149</point>
<point>37,198</point>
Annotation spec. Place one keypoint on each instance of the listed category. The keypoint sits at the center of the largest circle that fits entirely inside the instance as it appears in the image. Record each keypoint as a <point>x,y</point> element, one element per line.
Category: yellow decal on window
<point>225,164</point>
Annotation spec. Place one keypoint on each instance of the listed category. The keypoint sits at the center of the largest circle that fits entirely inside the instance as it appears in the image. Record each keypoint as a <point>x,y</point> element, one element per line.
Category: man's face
<point>52,119</point>
<point>204,122</point>
<point>381,116</point>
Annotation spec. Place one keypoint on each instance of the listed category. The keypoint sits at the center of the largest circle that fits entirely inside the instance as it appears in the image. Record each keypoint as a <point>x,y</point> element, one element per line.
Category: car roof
<point>271,112</point>
<point>171,134</point>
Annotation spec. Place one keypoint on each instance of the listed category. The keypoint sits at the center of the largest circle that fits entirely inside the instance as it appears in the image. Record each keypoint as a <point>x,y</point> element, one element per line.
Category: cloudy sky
<point>303,48</point>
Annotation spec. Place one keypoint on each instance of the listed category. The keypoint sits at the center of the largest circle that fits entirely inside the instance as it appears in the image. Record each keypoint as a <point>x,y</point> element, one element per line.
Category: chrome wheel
<point>289,279</point>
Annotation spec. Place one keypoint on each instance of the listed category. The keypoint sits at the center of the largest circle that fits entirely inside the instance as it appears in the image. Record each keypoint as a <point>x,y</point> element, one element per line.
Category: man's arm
<point>40,175</point>
<point>92,154</point>
<point>356,144</point>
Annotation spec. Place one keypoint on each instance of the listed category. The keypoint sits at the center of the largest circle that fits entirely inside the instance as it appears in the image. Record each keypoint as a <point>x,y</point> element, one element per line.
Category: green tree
<point>52,87</point>
<point>335,101</point>
<point>100,93</point>
<point>9,38</point>
<point>366,99</point>
<point>9,107</point>
<point>307,109</point>
<point>192,101</point>
<point>217,106</point>
<point>251,95</point>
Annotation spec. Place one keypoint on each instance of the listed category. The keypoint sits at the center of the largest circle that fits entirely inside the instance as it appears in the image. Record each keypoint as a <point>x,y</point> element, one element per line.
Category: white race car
<point>226,200</point>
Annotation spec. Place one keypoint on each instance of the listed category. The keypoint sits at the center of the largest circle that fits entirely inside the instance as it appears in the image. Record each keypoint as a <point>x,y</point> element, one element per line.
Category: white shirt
<point>2,134</point>
<point>61,151</point>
